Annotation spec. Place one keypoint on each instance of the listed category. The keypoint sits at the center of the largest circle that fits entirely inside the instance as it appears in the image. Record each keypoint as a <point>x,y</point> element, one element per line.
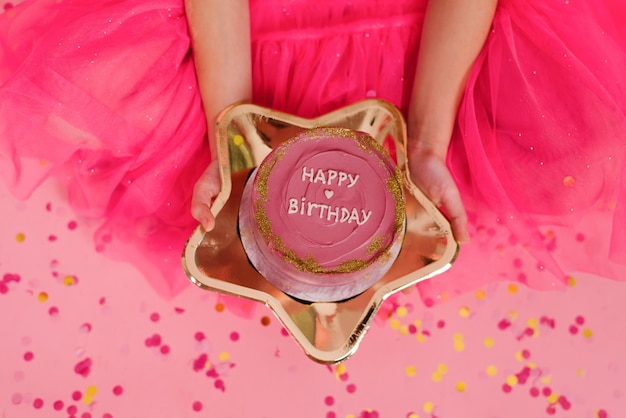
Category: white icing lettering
<point>307,174</point>
<point>366,216</point>
<point>343,176</point>
<point>353,179</point>
<point>293,206</point>
<point>332,174</point>
<point>333,213</point>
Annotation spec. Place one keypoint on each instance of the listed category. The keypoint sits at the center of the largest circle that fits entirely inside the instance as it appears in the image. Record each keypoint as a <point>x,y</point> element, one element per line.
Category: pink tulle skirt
<point>103,97</point>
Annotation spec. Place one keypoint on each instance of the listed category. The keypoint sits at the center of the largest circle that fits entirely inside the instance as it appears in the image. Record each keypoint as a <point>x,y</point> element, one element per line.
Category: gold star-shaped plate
<point>216,260</point>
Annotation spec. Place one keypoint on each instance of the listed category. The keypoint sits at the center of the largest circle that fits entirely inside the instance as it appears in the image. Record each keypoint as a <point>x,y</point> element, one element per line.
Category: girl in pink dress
<point>515,111</point>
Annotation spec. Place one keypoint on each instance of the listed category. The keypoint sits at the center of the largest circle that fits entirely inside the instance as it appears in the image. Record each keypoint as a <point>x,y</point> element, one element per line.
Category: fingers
<point>455,211</point>
<point>204,193</point>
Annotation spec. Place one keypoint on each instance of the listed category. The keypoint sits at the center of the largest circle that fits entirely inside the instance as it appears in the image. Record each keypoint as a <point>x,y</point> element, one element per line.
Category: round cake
<point>322,218</point>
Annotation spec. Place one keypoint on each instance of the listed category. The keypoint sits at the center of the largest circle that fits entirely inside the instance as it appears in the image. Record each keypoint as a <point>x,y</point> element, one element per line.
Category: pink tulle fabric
<point>103,97</point>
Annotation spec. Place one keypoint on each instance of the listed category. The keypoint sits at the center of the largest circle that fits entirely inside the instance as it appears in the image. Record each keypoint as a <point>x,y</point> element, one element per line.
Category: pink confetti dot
<point>154,317</point>
<point>83,367</point>
<point>573,329</point>
<point>8,6</point>
<point>219,384</point>
<point>351,388</point>
<point>77,395</point>
<point>53,311</point>
<point>504,324</point>
<point>72,409</point>
<point>118,390</point>
<point>71,225</point>
<point>525,354</point>
<point>57,405</point>
<point>4,289</point>
<point>165,349</point>
<point>52,238</point>
<point>580,237</point>
<point>28,356</point>
<point>329,400</point>
<point>546,391</point>
<point>517,263</point>
<point>197,406</point>
<point>234,336</point>
<point>38,403</point>
<point>179,310</point>
<point>331,414</point>
<point>199,336</point>
<point>153,341</point>
<point>441,323</point>
<point>428,302</point>
<point>107,415</point>
<point>284,332</point>
<point>534,392</point>
<point>412,329</point>
<point>200,362</point>
<point>85,415</point>
<point>580,320</point>
<point>85,328</point>
<point>602,414</point>
<point>102,301</point>
<point>16,399</point>
<point>551,410</point>
<point>506,388</point>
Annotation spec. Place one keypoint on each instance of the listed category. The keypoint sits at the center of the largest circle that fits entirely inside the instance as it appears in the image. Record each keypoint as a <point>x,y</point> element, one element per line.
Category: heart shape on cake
<point>328,193</point>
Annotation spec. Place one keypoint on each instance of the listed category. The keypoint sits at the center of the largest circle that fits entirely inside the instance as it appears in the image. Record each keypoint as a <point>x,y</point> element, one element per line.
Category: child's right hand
<point>205,191</point>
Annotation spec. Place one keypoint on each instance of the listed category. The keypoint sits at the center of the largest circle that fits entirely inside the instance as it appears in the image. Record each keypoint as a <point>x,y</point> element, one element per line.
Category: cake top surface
<point>329,201</point>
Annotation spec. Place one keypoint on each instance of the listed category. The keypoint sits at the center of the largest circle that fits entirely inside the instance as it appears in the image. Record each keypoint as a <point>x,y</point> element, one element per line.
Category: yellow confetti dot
<point>401,311</point>
<point>417,323</point>
<point>587,333</point>
<point>480,294</point>
<point>488,342</point>
<point>350,416</point>
<point>532,323</point>
<point>464,311</point>
<point>420,337</point>
<point>42,297</point>
<point>91,390</point>
<point>512,288</point>
<point>224,356</point>
<point>442,368</point>
<point>413,415</point>
<point>68,280</point>
<point>581,372</point>
<point>492,370</point>
<point>461,386</point>
<point>207,365</point>
<point>410,371</point>
<point>404,330</point>
<point>459,345</point>
<point>87,399</point>
<point>395,323</point>
<point>571,281</point>
<point>511,380</point>
<point>20,237</point>
<point>519,356</point>
<point>444,296</point>
<point>341,368</point>
<point>238,140</point>
<point>546,379</point>
<point>531,365</point>
<point>568,181</point>
<point>553,398</point>
<point>436,376</point>
<point>428,407</point>
<point>513,315</point>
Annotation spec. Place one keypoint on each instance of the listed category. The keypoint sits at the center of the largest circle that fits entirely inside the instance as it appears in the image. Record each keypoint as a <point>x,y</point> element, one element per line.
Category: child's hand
<point>430,174</point>
<point>204,193</point>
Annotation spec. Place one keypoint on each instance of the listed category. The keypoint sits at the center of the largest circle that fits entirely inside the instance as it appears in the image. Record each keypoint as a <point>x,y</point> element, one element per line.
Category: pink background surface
<point>85,336</point>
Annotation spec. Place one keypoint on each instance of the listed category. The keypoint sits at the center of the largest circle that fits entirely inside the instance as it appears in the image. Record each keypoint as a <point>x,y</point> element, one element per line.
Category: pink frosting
<point>350,186</point>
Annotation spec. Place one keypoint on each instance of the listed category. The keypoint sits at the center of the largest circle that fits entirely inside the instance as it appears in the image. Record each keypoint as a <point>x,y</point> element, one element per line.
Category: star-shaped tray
<point>215,260</point>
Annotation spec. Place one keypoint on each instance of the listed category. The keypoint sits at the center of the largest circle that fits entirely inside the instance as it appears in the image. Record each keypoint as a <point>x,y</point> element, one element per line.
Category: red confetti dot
<point>412,329</point>
<point>329,400</point>
<point>565,404</point>
<point>86,327</point>
<point>580,237</point>
<point>573,329</point>
<point>517,263</point>
<point>602,414</point>
<point>343,377</point>
<point>52,238</point>
<point>551,410</point>
<point>165,349</point>
<point>200,362</point>
<point>28,356</point>
<point>234,336</point>
<point>199,336</point>
<point>580,320</point>
<point>53,311</point>
<point>265,321</point>
<point>331,414</point>
<point>504,324</point>
<point>428,302</point>
<point>179,310</point>
<point>118,390</point>
<point>506,388</point>
<point>154,317</point>
<point>107,415</point>
<point>38,403</point>
<point>76,395</point>
<point>71,225</point>
<point>85,415</point>
<point>525,354</point>
<point>72,409</point>
<point>534,392</point>
<point>351,388</point>
<point>284,332</point>
<point>546,391</point>
<point>4,289</point>
<point>197,406</point>
<point>441,323</point>
<point>102,301</point>
<point>57,405</point>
